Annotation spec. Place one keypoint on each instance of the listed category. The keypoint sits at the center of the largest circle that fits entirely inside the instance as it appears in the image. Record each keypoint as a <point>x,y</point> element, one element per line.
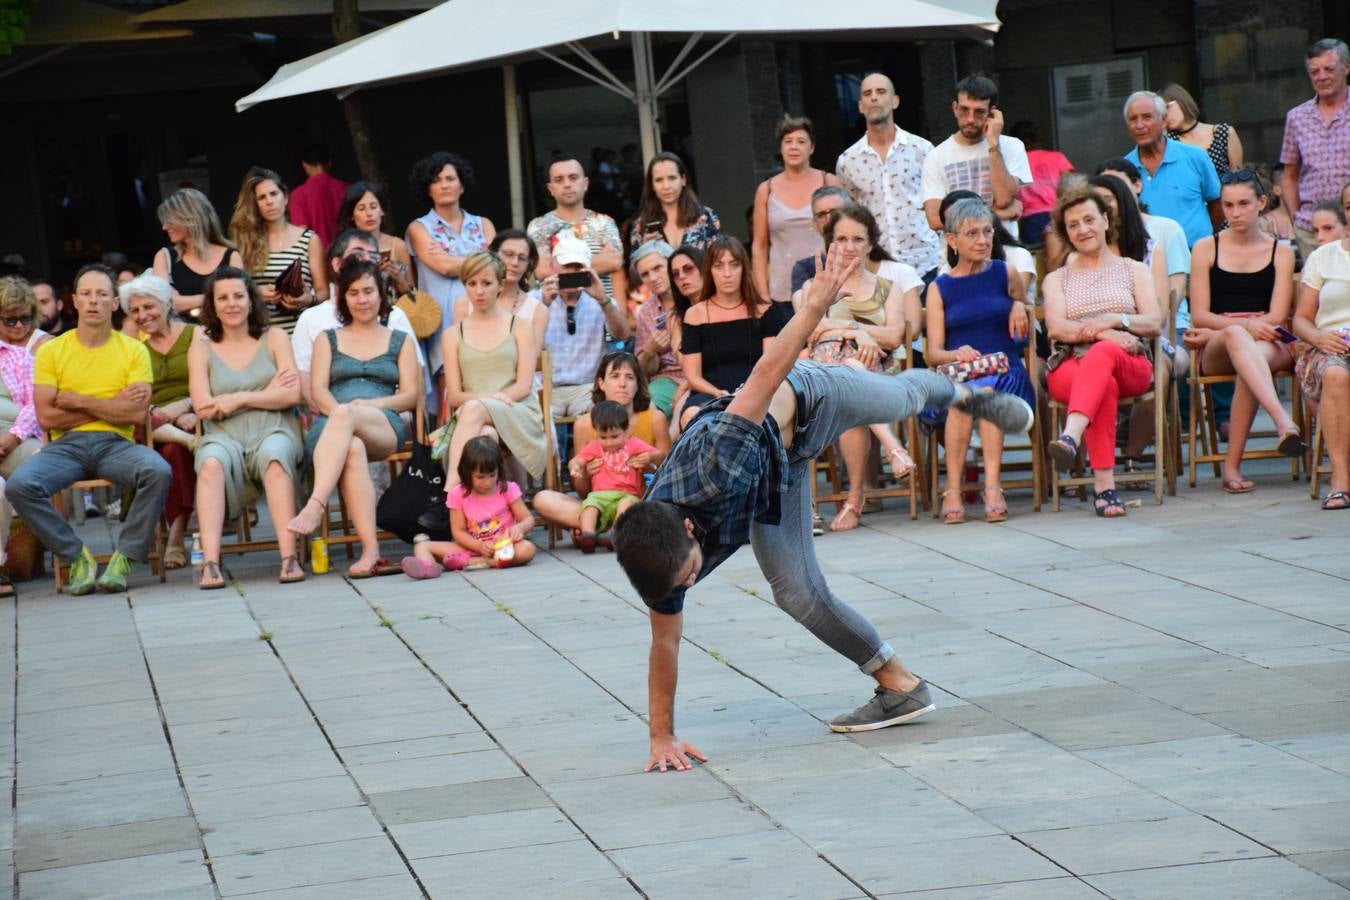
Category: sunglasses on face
<point>571,320</point>
<point>13,321</point>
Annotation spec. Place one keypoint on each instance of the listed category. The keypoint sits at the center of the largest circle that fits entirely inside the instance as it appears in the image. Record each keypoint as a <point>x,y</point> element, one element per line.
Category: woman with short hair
<point>269,245</point>
<point>670,210</point>
<point>245,389</point>
<point>197,247</point>
<point>782,226</point>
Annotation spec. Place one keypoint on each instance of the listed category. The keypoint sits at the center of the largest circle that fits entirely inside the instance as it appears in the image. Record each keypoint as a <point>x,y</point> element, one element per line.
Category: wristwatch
<point>1125,321</point>
<point>855,326</point>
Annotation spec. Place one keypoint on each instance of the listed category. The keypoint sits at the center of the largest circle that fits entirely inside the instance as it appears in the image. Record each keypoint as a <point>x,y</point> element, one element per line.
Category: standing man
<point>740,473</point>
<point>567,184</point>
<point>577,320</point>
<point>1316,148</point>
<point>979,157</point>
<point>1179,180</point>
<point>884,172</point>
<point>316,203</point>
<point>91,389</point>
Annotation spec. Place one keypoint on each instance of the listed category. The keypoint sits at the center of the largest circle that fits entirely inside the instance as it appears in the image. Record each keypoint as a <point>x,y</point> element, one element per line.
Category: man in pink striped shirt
<point>1316,149</point>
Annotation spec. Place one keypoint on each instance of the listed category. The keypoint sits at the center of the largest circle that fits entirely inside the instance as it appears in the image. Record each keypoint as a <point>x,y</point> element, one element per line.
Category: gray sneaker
<point>1009,413</point>
<point>886,708</point>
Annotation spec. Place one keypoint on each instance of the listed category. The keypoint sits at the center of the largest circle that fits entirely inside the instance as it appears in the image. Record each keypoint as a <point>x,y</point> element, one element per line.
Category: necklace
<point>713,301</point>
<point>1194,125</point>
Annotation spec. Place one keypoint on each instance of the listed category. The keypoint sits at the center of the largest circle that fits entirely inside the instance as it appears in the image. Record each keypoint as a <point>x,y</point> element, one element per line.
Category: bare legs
<point>1334,412</point>
<point>471,420</point>
<point>1235,350</point>
<point>352,435</point>
<point>280,493</point>
<point>956,441</point>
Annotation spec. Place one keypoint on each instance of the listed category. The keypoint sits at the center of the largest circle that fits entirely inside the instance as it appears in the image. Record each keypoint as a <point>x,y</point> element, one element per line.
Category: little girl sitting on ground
<point>488,519</point>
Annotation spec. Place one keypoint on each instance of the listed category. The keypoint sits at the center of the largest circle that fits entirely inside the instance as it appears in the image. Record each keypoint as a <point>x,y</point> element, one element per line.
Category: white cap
<point>570,249</point>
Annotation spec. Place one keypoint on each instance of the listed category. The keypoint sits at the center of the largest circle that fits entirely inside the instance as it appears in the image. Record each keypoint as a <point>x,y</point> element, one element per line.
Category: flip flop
<point>1292,445</point>
<point>210,567</point>
<point>846,508</point>
<point>1342,496</point>
<point>286,562</point>
<point>382,566</point>
<point>901,463</point>
<point>1237,486</point>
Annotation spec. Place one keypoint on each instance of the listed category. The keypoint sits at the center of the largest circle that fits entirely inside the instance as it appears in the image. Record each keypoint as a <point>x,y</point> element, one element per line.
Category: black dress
<point>731,349</point>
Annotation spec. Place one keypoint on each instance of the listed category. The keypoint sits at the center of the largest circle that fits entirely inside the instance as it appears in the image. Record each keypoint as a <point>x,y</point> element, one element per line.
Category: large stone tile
<point>1075,813</point>
<point>315,864</point>
<point>115,800</point>
<point>171,874</point>
<point>1333,866</point>
<point>474,798</point>
<point>945,864</point>
<point>1041,889</point>
<point>548,870</point>
<point>301,765</point>
<point>385,887</point>
<point>433,771</point>
<point>1093,849</point>
<point>1313,828</point>
<point>491,831</point>
<point>214,807</point>
<point>89,845</point>
<point>1255,879</point>
<point>290,830</point>
<point>49,768</point>
<point>1286,721</point>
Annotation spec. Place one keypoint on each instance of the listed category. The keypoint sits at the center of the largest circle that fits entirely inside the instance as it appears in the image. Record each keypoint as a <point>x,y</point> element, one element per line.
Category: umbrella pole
<point>645,99</point>
<point>515,179</point>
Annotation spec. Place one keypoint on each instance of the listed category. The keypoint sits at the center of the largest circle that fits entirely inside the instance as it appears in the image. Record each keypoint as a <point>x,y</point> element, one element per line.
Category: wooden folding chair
<point>61,570</point>
<point>1034,444</point>
<point>1204,427</point>
<point>1158,475</point>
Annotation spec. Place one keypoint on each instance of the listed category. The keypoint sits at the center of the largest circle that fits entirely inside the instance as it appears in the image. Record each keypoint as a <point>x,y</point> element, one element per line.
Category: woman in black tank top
<point>1242,285</point>
<point>197,247</point>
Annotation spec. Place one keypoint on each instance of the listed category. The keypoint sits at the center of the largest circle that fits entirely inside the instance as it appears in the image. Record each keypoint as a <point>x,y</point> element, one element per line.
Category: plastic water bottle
<point>318,555</point>
<point>197,558</point>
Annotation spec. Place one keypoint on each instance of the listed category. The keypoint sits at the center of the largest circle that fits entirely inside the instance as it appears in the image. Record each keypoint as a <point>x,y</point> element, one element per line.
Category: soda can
<point>318,555</point>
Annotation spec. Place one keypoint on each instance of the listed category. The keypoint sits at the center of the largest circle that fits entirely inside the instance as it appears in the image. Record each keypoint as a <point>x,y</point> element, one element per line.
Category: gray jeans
<point>78,455</point>
<point>836,398</point>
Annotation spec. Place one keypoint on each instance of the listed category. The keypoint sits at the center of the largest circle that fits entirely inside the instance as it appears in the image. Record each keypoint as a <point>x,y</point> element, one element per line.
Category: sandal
<point>953,516</point>
<point>1064,451</point>
<point>286,563</point>
<point>901,463</point>
<point>175,557</point>
<point>838,524</point>
<point>997,512</point>
<point>1292,445</point>
<point>1342,500</point>
<point>1237,486</point>
<point>1107,504</point>
<point>1132,468</point>
<point>210,569</point>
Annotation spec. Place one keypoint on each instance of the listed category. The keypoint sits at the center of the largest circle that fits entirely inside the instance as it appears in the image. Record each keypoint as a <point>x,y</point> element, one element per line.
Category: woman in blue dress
<point>976,309</point>
<point>442,239</point>
<point>362,376</point>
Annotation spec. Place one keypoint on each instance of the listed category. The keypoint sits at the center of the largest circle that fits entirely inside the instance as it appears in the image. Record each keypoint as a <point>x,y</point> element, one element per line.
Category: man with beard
<point>883,171</point>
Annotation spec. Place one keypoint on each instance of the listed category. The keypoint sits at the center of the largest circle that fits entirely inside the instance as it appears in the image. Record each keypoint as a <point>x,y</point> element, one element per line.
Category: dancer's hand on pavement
<point>668,750</point>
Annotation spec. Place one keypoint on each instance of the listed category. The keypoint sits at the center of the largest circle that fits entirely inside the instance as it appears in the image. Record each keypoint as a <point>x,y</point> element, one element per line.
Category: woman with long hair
<point>1182,120</point>
<point>669,209</point>
<point>365,208</point>
<point>244,388</point>
<point>686,278</point>
<point>269,244</point>
<point>197,247</point>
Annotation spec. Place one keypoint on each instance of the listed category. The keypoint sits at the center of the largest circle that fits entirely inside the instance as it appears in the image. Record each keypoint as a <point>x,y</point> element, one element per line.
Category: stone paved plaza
<point>1154,707</point>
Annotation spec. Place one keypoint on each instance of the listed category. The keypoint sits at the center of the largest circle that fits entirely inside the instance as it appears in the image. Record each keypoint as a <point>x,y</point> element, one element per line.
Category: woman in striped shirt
<point>268,243</point>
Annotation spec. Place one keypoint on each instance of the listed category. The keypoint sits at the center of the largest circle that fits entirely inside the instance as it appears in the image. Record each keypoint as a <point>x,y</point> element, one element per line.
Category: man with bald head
<point>884,172</point>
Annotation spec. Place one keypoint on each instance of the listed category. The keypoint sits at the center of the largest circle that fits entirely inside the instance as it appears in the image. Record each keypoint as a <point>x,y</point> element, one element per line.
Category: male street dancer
<point>741,471</point>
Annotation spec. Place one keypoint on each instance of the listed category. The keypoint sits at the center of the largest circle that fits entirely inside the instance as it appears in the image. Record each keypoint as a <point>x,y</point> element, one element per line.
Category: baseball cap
<point>570,249</point>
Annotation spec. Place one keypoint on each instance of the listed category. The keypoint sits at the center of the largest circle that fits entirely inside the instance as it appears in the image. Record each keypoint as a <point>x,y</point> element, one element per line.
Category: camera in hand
<point>573,281</point>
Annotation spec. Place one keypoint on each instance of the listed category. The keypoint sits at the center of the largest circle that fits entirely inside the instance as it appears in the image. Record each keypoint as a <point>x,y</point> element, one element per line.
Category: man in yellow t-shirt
<point>91,388</point>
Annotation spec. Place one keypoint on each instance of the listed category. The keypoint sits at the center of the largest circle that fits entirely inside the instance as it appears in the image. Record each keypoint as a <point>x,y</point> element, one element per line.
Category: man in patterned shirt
<point>884,172</point>
<point>741,473</point>
<point>567,184</point>
<point>1316,148</point>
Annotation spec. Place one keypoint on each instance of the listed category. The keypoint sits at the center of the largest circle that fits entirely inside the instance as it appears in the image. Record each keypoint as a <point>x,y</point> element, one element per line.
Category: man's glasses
<point>571,320</point>
<point>14,321</point>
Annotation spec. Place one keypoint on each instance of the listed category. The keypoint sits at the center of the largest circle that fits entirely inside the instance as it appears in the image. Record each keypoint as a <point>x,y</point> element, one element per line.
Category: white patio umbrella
<point>461,33</point>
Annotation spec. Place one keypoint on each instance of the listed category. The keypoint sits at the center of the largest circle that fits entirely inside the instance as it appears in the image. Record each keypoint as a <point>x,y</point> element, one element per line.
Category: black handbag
<point>409,505</point>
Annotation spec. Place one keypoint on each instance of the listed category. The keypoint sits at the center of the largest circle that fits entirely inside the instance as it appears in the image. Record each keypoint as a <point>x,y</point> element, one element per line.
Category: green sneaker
<point>82,571</point>
<point>114,579</point>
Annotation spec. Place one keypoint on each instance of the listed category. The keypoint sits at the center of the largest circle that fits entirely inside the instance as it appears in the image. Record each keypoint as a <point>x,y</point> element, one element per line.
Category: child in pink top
<point>488,519</point>
<point>615,461</point>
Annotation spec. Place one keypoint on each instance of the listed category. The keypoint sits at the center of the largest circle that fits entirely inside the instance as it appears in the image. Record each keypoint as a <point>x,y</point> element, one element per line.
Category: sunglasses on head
<point>12,321</point>
<point>571,320</point>
<point>1241,176</point>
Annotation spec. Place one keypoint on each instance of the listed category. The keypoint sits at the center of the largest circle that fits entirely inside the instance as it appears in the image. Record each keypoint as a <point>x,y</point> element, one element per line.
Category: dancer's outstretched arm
<point>752,401</point>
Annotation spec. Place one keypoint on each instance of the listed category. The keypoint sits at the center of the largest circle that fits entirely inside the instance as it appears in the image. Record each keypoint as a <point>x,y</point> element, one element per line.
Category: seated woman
<point>872,317</point>
<point>1006,248</point>
<point>621,380</point>
<point>1323,320</point>
<point>1098,306</point>
<point>657,322</point>
<point>1242,284</point>
<point>148,301</point>
<point>1328,222</point>
<point>244,388</point>
<point>725,332</point>
<point>518,253</point>
<point>976,309</point>
<point>20,433</point>
<point>362,376</point>
<point>490,360</point>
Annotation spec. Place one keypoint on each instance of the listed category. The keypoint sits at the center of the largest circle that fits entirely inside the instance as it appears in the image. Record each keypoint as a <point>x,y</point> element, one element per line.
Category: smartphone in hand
<point>1286,336</point>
